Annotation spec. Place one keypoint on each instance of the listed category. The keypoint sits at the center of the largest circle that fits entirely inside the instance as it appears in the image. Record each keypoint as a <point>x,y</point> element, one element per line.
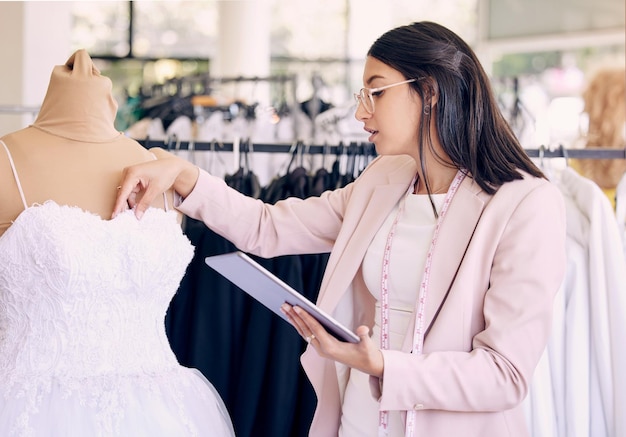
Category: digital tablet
<point>272,292</point>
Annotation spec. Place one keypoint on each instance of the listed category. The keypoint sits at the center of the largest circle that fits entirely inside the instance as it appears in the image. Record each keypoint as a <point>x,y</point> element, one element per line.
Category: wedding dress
<point>83,347</point>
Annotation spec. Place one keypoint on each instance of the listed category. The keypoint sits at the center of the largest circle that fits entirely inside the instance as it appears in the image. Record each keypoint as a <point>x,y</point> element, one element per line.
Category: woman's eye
<point>377,93</point>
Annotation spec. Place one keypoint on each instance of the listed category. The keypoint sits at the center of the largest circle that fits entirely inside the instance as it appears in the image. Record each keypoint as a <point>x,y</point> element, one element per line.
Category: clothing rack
<point>199,95</point>
<point>244,146</point>
<point>17,109</point>
<point>591,153</point>
<point>187,85</point>
<point>25,114</point>
<point>203,84</point>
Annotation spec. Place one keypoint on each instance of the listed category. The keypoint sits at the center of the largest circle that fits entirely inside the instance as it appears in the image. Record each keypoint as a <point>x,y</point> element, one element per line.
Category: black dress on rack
<point>250,354</point>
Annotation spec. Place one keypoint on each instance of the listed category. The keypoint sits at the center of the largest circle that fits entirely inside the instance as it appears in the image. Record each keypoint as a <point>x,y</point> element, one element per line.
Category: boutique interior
<point>261,93</point>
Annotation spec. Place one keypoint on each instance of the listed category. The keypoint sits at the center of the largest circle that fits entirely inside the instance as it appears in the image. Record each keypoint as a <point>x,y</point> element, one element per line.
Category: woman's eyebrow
<point>372,78</point>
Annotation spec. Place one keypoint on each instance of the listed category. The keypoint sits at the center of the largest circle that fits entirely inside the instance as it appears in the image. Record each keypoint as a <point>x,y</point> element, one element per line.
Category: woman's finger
<point>128,186</point>
<point>311,327</point>
<point>297,318</point>
<point>294,319</point>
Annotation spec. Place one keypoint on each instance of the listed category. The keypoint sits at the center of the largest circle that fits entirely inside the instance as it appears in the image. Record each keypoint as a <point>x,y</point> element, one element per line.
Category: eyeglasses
<point>366,96</point>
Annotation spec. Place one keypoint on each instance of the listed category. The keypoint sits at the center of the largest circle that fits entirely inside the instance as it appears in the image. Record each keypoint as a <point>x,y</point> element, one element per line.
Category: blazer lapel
<point>454,237</point>
<point>350,247</point>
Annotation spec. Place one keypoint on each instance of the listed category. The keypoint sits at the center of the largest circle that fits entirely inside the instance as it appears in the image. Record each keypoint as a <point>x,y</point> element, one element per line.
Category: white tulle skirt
<point>179,402</point>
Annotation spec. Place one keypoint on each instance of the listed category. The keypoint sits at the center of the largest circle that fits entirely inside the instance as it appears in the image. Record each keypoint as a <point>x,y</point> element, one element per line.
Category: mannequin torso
<point>69,172</point>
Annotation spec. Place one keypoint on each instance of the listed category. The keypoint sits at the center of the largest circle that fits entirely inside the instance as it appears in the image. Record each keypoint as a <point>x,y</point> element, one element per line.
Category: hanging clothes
<point>252,355</point>
<point>244,179</point>
<point>584,365</point>
<point>620,209</point>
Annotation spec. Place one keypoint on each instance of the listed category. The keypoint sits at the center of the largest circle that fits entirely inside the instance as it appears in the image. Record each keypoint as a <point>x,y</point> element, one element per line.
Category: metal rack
<point>541,152</point>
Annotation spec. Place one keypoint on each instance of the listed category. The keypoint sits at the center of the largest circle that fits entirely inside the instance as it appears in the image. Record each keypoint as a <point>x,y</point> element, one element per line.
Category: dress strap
<point>166,205</point>
<point>17,179</point>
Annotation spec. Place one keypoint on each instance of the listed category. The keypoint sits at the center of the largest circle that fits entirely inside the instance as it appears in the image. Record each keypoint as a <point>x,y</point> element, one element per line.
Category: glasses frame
<point>360,96</point>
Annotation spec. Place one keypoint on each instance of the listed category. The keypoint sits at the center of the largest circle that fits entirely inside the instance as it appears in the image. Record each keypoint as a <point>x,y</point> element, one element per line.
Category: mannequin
<point>72,153</point>
<point>605,105</point>
<point>83,347</point>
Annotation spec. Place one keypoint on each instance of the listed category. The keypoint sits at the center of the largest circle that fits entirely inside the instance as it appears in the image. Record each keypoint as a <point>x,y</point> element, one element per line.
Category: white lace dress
<point>83,347</point>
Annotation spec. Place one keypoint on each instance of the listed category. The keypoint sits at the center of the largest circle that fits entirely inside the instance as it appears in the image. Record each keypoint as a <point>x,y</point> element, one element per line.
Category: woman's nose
<point>360,113</point>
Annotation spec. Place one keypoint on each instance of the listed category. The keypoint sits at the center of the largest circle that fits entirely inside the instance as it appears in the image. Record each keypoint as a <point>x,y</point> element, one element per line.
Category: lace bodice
<point>81,296</point>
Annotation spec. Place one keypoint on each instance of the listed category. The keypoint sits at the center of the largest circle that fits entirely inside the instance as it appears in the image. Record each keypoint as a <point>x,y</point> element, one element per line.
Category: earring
<point>426,109</point>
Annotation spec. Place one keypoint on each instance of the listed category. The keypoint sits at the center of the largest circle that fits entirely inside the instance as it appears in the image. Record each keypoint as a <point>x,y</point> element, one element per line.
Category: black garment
<point>321,182</point>
<point>245,182</point>
<point>293,184</point>
<point>248,353</point>
<point>251,355</point>
<point>314,107</point>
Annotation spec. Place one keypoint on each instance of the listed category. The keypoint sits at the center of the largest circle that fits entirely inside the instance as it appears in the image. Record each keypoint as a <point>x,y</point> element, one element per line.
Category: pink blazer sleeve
<point>290,226</point>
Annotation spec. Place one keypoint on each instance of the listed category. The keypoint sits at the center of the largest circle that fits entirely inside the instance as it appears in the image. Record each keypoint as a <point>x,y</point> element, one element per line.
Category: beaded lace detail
<point>82,308</point>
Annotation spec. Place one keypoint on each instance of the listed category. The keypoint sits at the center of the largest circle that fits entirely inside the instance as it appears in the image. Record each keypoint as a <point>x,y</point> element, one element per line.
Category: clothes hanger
<point>565,154</point>
<point>213,153</point>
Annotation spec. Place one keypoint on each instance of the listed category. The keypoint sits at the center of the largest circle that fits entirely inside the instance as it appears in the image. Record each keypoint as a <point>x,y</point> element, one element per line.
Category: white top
<point>410,245</point>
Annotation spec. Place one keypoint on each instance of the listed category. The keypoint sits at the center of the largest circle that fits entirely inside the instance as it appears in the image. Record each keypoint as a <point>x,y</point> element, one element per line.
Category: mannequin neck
<point>79,104</point>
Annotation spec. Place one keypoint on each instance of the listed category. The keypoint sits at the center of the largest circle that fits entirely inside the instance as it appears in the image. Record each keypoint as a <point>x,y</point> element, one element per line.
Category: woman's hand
<point>364,356</point>
<point>142,183</point>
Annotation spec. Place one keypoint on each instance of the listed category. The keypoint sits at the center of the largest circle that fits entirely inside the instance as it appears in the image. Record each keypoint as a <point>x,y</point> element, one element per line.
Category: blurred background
<point>308,54</point>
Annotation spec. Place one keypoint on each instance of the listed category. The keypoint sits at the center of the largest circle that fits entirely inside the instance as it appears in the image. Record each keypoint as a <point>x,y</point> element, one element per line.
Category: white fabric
<point>539,405</point>
<point>586,354</point>
<point>620,209</point>
<point>83,347</point>
<point>408,256</point>
<point>563,388</point>
<point>181,129</point>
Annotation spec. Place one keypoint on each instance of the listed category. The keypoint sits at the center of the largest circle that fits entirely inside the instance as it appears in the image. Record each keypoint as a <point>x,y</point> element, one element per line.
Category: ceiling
<point>530,18</point>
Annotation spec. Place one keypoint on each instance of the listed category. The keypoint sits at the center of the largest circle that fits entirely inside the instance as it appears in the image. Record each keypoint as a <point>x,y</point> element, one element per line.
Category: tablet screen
<point>271,291</point>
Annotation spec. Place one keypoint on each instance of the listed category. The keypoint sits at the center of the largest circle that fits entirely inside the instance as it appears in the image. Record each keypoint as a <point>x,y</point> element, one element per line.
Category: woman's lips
<point>372,133</point>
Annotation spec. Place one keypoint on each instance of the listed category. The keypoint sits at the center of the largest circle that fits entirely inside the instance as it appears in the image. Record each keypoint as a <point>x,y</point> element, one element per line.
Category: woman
<point>445,254</point>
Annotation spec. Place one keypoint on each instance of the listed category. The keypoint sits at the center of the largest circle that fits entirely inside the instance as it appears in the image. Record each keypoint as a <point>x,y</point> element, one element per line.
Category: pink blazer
<point>497,266</point>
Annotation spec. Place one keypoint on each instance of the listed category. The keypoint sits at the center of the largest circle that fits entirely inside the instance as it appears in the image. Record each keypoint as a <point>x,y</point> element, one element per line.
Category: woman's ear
<point>431,95</point>
<point>433,91</point>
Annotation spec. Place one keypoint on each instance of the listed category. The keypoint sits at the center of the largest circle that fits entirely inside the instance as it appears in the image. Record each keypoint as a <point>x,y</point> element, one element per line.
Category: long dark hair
<point>471,127</point>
